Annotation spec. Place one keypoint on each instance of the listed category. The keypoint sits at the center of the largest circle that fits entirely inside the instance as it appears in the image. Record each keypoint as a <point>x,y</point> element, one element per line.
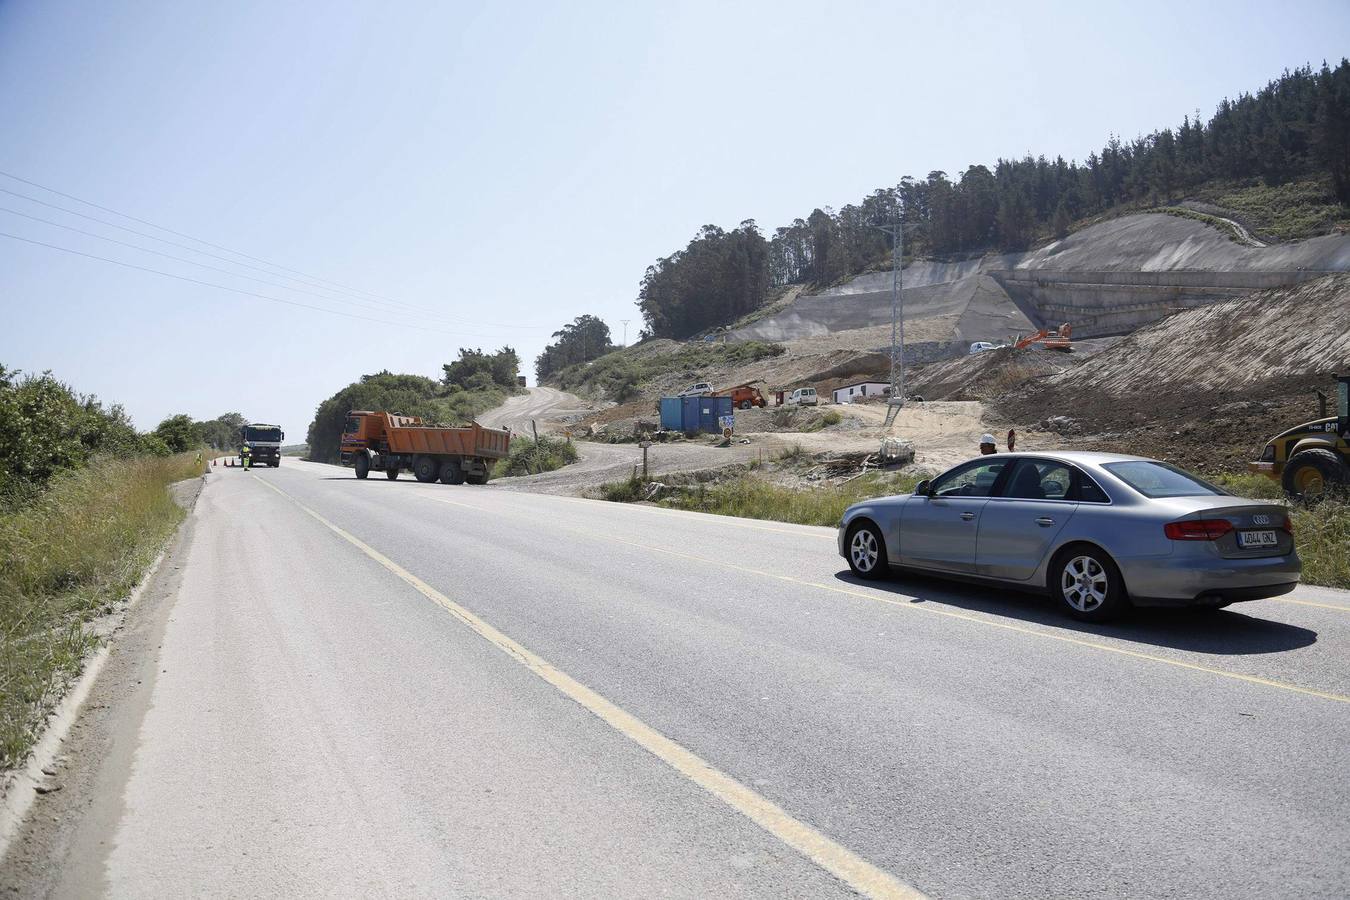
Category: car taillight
<point>1197,529</point>
<point>1287,526</point>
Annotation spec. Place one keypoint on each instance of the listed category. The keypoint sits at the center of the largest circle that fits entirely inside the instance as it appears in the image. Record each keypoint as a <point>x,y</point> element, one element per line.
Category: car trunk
<point>1254,526</point>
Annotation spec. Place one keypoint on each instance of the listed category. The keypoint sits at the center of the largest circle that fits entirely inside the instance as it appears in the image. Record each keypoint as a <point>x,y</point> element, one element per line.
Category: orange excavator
<point>1050,339</point>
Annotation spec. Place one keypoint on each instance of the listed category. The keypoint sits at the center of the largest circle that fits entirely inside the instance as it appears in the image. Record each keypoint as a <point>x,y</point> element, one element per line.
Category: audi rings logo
<point>1260,520</point>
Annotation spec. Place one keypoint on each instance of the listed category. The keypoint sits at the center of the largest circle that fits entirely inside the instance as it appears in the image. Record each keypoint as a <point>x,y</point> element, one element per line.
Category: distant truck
<point>392,444</point>
<point>263,443</point>
<point>743,396</point>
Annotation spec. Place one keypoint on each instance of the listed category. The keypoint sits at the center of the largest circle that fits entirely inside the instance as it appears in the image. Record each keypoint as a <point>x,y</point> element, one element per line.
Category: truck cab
<point>263,442</point>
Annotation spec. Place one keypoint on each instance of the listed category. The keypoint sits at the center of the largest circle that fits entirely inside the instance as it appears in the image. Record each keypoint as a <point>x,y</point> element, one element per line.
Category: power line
<point>211,284</point>
<point>182,234</point>
<point>337,286</point>
<point>193,262</point>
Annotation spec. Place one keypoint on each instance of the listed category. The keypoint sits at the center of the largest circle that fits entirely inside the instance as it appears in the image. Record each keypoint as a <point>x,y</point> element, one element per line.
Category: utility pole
<point>897,398</point>
<point>625,330</point>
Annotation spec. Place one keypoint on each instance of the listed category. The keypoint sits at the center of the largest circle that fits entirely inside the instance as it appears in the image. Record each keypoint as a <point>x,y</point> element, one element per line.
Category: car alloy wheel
<point>1084,583</point>
<point>863,550</point>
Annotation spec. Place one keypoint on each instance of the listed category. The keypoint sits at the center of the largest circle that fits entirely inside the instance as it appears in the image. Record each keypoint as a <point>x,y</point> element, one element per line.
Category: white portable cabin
<point>850,392</point>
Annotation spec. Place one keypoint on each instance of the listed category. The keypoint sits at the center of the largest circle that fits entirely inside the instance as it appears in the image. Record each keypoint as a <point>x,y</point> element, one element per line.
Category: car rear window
<point>1156,479</point>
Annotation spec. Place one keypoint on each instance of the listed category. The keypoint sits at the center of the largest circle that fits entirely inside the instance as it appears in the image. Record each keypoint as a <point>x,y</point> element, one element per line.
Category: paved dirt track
<point>409,698</point>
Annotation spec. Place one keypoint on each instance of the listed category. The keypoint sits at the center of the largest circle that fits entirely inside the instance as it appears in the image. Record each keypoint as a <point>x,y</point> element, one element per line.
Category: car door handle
<point>1045,520</point>
<point>967,516</point>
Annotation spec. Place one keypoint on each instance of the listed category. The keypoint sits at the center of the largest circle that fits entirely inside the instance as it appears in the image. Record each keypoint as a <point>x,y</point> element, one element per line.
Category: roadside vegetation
<point>755,498</point>
<point>84,508</point>
<point>530,457</point>
<point>469,387</point>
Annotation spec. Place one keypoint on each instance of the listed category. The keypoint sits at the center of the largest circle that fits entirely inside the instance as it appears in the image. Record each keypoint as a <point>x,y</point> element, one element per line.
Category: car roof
<point>1080,457</point>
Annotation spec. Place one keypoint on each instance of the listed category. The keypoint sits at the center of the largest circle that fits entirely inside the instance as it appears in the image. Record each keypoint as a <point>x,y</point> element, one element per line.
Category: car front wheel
<point>1087,584</point>
<point>867,551</point>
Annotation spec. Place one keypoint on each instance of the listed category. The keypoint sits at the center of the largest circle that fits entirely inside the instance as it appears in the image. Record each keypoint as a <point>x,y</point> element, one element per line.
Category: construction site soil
<point>1204,388</point>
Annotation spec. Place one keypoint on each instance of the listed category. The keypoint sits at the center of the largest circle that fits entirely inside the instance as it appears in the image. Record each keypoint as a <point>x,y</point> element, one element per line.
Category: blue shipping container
<point>672,414</point>
<point>690,414</point>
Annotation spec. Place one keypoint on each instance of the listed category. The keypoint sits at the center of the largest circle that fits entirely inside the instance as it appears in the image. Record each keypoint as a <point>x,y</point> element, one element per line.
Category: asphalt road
<point>375,688</point>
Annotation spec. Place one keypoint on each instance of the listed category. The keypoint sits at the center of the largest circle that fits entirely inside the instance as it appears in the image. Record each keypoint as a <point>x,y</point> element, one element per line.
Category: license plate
<point>1257,538</point>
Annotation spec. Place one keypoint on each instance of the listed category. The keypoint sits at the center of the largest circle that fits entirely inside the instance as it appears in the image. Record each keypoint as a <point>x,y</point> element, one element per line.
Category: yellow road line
<point>952,614</point>
<point>850,868</point>
<point>1311,603</point>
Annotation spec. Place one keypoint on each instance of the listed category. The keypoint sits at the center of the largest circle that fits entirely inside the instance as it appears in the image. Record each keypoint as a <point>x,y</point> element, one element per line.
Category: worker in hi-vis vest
<point>247,454</point>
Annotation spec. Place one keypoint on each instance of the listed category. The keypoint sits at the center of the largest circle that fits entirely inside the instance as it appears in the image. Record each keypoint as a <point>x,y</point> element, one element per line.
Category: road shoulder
<point>93,761</point>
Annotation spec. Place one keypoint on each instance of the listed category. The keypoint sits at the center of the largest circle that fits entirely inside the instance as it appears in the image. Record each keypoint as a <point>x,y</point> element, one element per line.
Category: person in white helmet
<point>987,445</point>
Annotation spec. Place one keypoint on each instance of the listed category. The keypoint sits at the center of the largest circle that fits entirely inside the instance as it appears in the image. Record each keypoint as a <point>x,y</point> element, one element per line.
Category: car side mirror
<point>923,488</point>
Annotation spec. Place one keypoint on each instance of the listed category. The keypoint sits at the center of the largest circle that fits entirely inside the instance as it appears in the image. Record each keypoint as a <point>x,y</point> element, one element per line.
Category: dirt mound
<point>984,375</point>
<point>1205,387</point>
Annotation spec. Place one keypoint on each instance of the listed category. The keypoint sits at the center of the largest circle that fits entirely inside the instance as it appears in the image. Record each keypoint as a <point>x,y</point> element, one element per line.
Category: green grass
<point>67,558</point>
<point>753,498</point>
<point>1286,212</point>
<point>1321,529</point>
<point>530,458</point>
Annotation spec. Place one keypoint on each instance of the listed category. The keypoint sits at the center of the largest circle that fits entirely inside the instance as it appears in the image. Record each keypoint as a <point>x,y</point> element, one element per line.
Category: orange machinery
<point>452,455</point>
<point>744,396</point>
<point>1058,339</point>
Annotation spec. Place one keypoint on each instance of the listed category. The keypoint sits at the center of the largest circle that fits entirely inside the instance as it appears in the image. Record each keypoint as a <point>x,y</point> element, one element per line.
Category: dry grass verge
<point>753,498</point>
<point>67,558</point>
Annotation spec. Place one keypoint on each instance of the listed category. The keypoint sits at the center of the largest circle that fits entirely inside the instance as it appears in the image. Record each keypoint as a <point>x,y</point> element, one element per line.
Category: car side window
<point>1039,479</point>
<point>1089,491</point>
<point>973,480</point>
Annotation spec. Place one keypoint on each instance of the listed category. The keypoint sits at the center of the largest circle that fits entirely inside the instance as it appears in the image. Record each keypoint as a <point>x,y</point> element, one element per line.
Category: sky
<point>451,175</point>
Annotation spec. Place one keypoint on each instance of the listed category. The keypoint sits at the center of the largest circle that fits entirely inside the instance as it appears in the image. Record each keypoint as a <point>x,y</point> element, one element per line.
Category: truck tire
<point>425,469</point>
<point>477,479</point>
<point>452,472</point>
<point>391,473</point>
<point>362,466</point>
<point>746,404</point>
<point>1314,472</point>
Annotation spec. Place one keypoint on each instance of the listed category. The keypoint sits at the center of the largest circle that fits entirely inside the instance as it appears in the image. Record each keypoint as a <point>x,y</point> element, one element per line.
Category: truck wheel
<point>362,466</point>
<point>1314,472</point>
<point>391,473</point>
<point>452,472</point>
<point>746,404</point>
<point>425,469</point>
<point>477,479</point>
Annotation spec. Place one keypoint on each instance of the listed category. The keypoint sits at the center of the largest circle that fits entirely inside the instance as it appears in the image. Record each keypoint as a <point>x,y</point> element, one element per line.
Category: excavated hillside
<point>1106,279</point>
<point>1204,388</point>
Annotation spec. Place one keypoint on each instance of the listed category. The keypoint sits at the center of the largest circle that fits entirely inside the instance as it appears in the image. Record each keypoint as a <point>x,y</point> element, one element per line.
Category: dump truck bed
<point>467,440</point>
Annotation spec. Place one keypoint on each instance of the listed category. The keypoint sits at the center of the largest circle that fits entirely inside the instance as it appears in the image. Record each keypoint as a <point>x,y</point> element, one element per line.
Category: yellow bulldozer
<point>1313,458</point>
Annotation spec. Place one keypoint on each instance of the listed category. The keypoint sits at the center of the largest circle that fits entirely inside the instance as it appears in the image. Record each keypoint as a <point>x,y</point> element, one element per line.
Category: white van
<point>803,397</point>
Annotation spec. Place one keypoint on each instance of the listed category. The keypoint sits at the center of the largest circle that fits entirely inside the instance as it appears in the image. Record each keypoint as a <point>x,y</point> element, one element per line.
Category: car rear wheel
<point>1087,584</point>
<point>867,551</point>
<point>425,469</point>
<point>362,466</point>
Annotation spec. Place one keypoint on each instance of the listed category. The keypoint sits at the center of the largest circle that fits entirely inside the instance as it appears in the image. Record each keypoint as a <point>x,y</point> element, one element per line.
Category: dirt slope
<point>1205,387</point>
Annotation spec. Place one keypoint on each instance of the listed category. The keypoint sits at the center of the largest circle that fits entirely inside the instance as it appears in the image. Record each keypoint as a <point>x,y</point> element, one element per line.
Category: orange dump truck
<point>390,444</point>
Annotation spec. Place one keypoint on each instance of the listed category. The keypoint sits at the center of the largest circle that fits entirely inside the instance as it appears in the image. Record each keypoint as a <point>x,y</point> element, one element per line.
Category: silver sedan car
<point>1099,532</point>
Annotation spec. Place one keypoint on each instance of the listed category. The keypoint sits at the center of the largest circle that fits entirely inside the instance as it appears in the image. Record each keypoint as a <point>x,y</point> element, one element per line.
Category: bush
<point>530,458</point>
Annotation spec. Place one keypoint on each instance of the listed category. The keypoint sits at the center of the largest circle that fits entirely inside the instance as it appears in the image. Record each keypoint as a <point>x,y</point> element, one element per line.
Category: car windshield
<point>1156,479</point>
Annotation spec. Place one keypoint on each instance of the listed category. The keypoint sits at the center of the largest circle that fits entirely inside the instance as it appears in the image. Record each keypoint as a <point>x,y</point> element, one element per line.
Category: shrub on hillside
<point>529,457</point>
